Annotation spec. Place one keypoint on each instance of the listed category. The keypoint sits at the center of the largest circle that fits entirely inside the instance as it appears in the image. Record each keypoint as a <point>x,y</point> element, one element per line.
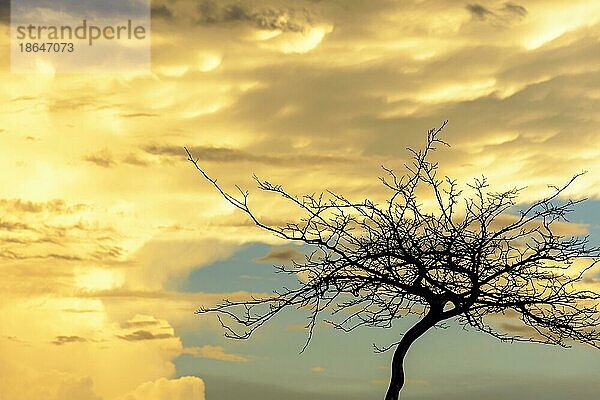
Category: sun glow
<point>98,279</point>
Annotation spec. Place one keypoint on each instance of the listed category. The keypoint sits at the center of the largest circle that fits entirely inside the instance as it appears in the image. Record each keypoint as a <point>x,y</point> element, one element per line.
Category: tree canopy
<point>465,255</point>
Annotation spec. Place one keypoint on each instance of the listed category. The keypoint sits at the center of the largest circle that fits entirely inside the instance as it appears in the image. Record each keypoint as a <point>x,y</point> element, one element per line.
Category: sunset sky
<point>110,239</point>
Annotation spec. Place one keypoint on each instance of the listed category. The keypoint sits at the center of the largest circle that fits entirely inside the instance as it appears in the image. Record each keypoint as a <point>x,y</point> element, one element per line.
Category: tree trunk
<point>397,379</point>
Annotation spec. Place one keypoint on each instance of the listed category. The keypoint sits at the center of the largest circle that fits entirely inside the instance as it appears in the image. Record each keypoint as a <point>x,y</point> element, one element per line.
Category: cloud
<point>215,353</point>
<point>93,347</point>
<point>41,240</point>
<point>138,115</point>
<point>479,11</point>
<point>134,159</point>
<point>161,259</point>
<point>161,11</point>
<point>14,226</point>
<point>80,311</point>
<point>145,335</point>
<point>36,244</point>
<point>102,158</point>
<point>184,388</point>
<point>218,154</point>
<point>141,321</point>
<point>80,390</point>
<point>230,155</point>
<point>281,255</point>
<point>507,13</point>
<point>28,206</point>
<point>50,385</point>
<point>515,9</point>
<point>296,42</point>
<point>286,20</point>
<point>154,329</point>
<point>283,20</point>
<point>518,329</point>
<point>60,340</point>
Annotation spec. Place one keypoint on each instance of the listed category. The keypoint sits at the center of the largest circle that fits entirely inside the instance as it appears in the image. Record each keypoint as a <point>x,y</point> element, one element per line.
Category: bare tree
<point>464,259</point>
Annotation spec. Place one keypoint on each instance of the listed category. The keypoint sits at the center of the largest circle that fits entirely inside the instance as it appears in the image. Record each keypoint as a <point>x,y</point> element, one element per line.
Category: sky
<point>110,240</point>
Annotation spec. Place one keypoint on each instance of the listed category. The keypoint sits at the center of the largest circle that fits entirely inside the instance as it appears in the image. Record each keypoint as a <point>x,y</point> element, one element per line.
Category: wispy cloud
<point>215,353</point>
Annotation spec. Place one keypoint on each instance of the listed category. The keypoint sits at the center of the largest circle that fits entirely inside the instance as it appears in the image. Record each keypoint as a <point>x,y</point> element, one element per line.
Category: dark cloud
<point>287,20</point>
<point>103,158</point>
<point>515,9</point>
<point>505,14</point>
<point>236,12</point>
<point>161,11</point>
<point>209,12</point>
<point>227,155</point>
<point>60,340</point>
<point>281,255</point>
<point>478,11</point>
<point>144,335</point>
<point>205,153</point>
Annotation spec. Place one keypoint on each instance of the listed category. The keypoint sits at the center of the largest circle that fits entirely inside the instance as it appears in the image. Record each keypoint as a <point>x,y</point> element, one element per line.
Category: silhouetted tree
<point>463,259</point>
